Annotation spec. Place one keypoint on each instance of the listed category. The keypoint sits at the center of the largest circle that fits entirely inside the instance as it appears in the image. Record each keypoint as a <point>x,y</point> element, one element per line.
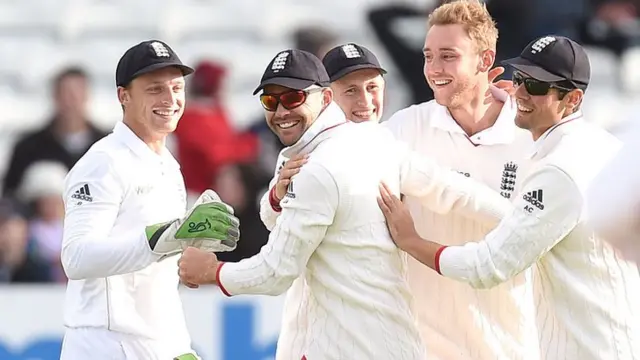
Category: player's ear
<point>327,96</point>
<point>487,59</point>
<point>573,99</point>
<point>123,95</point>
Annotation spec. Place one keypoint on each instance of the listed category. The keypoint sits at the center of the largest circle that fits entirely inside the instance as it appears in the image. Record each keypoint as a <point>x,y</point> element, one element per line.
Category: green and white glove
<point>209,225</point>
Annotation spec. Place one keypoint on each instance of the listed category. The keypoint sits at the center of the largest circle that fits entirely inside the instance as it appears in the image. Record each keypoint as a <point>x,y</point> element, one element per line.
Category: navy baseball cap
<point>145,57</point>
<point>347,58</point>
<point>295,69</point>
<point>554,59</point>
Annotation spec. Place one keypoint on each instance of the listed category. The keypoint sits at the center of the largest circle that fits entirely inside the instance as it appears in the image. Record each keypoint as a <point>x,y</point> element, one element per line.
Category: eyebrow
<point>176,82</point>
<point>425,49</point>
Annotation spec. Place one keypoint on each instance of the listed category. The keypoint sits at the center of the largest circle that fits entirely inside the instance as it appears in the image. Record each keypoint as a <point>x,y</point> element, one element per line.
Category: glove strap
<point>154,232</point>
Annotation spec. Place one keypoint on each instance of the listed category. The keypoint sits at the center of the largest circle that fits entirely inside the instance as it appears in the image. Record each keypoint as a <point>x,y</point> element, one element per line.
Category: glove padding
<point>209,225</point>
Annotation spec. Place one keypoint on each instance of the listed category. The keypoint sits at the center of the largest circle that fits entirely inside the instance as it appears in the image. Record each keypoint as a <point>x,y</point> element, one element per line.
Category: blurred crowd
<point>239,164</point>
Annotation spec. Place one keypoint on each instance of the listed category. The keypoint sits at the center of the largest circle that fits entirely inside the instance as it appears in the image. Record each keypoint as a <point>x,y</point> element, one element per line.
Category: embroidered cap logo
<point>160,49</point>
<point>542,43</point>
<point>350,51</point>
<point>279,62</point>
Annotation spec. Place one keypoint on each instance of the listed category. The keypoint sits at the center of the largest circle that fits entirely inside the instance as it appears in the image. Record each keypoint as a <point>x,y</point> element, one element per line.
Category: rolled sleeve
<point>308,209</point>
<point>92,198</point>
<point>544,213</point>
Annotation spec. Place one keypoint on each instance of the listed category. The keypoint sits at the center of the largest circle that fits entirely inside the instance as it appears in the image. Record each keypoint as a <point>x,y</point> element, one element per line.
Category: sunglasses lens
<point>536,88</point>
<point>533,86</point>
<point>269,102</point>
<point>293,99</point>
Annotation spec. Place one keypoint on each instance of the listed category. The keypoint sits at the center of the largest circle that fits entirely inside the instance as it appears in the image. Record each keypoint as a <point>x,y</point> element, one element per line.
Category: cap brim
<point>349,69</point>
<point>183,68</point>
<point>533,70</point>
<point>296,84</point>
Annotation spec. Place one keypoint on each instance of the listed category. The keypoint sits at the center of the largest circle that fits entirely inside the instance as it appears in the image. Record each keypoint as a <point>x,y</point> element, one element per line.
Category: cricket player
<point>469,127</point>
<point>355,303</point>
<point>358,88</point>
<point>586,295</point>
<point>126,221</point>
<point>615,203</point>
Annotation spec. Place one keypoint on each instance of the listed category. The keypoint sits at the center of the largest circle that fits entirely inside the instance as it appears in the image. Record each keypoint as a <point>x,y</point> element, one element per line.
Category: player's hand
<point>209,225</point>
<point>506,85</point>
<point>290,168</point>
<point>197,267</point>
<point>399,221</point>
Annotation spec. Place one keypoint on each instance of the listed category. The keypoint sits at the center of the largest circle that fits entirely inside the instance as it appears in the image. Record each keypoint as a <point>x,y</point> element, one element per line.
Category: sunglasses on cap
<point>289,100</point>
<point>535,87</point>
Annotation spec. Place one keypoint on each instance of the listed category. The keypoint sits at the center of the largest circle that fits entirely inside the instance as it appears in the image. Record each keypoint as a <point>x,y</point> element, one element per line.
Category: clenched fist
<point>197,267</point>
<point>290,168</point>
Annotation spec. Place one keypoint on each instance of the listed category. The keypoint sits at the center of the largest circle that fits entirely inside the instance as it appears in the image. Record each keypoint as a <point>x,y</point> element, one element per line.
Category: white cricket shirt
<point>586,296</point>
<point>116,189</point>
<point>458,322</point>
<point>354,302</point>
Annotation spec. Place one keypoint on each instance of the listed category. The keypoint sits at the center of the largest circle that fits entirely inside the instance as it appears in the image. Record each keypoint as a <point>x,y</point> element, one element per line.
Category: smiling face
<point>459,51</point>
<point>537,113</point>
<point>360,95</point>
<point>154,102</point>
<point>452,65</point>
<point>290,124</point>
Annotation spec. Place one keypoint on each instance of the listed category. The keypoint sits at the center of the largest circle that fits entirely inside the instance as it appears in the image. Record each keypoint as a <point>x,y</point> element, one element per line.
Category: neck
<point>69,124</point>
<point>478,114</point>
<point>153,140</point>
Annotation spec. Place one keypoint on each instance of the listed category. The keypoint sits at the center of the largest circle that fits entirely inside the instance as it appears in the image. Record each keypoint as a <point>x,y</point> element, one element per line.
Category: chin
<point>442,99</point>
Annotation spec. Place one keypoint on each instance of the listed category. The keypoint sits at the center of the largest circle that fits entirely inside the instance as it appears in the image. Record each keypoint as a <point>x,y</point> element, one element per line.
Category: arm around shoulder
<point>308,210</point>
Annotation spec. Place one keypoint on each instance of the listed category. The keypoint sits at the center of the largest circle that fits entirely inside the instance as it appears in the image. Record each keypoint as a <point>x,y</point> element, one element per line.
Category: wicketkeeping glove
<point>209,225</point>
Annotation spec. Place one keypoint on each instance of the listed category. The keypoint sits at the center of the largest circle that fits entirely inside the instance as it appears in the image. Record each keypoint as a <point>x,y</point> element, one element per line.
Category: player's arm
<point>308,210</point>
<point>93,194</point>
<point>269,206</point>
<point>270,202</point>
<point>440,189</point>
<point>546,211</point>
<point>443,190</point>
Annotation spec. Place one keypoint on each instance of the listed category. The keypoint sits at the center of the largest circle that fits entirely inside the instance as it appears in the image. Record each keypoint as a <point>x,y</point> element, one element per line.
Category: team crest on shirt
<point>508,182</point>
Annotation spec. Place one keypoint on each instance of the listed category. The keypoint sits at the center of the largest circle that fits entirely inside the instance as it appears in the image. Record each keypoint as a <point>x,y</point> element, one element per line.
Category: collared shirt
<point>542,140</point>
<point>118,188</point>
<point>586,294</point>
<point>332,232</point>
<point>503,131</point>
<point>498,324</point>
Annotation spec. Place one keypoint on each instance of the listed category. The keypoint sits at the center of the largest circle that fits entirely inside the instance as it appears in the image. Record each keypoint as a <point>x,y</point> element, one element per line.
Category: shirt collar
<point>549,137</point>
<point>331,117</point>
<point>122,132</point>
<point>502,132</point>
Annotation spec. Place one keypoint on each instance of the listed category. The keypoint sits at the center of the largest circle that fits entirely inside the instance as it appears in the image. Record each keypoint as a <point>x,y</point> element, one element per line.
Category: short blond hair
<point>475,18</point>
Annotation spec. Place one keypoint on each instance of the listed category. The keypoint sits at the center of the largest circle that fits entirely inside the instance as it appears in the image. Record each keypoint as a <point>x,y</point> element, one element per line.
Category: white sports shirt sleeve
<point>89,250</point>
<point>544,213</point>
<point>299,229</point>
<point>268,214</point>
<point>444,190</point>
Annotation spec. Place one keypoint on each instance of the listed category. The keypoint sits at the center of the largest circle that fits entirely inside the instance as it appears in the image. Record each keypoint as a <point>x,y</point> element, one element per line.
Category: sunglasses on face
<point>535,87</point>
<point>289,100</point>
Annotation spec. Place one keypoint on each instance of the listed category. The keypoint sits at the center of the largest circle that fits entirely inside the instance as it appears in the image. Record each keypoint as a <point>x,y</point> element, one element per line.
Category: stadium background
<point>231,41</point>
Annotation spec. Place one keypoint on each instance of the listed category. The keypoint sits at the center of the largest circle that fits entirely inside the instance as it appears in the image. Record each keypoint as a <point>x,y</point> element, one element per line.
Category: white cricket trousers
<point>102,344</point>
